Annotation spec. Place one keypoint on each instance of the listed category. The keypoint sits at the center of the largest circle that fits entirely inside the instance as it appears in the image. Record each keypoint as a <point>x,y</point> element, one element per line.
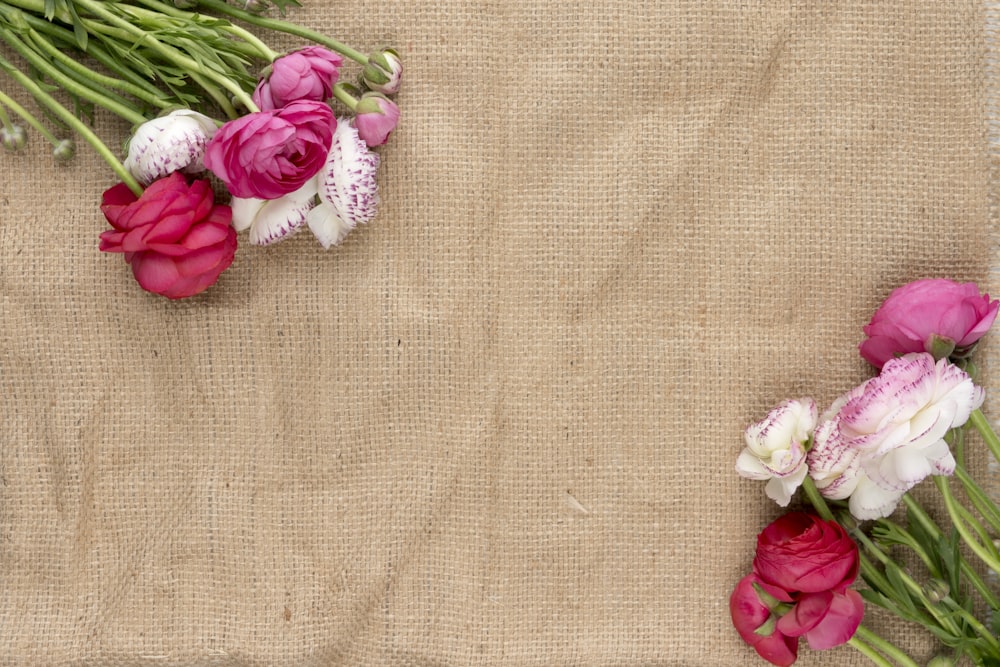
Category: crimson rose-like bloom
<point>799,588</point>
<point>270,153</point>
<point>306,74</point>
<point>938,316</point>
<point>801,552</point>
<point>175,237</point>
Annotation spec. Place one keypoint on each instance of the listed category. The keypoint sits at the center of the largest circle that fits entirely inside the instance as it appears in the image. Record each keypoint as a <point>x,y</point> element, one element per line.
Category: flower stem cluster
<point>183,74</point>
<point>859,460</point>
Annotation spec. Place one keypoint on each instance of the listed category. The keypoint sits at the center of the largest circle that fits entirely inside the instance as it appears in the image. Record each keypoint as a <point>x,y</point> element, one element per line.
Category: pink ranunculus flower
<point>271,153</point>
<point>305,74</point>
<point>751,615</point>
<point>376,118</point>
<point>938,316</point>
<point>176,238</point>
<point>880,439</point>
<point>775,448</point>
<point>825,619</point>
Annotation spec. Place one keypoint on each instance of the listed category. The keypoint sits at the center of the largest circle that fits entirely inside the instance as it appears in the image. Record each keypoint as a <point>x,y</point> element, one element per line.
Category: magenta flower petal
<point>840,622</point>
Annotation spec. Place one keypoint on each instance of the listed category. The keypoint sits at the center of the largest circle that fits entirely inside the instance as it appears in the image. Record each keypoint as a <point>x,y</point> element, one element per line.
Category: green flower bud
<point>383,72</point>
<point>256,6</point>
<point>941,661</point>
<point>64,150</point>
<point>13,137</point>
<point>936,590</point>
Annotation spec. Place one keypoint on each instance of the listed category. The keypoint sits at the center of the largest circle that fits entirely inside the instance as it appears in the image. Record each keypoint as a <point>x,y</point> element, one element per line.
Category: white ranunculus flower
<point>775,448</point>
<point>175,142</point>
<point>271,220</point>
<point>348,192</point>
<point>883,437</point>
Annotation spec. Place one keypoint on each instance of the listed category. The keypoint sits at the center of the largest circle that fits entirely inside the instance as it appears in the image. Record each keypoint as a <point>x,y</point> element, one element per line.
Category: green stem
<point>84,71</point>
<point>28,118</point>
<point>98,53</point>
<point>5,119</point>
<point>286,27</point>
<point>341,94</point>
<point>869,569</point>
<point>979,498</point>
<point>915,511</point>
<point>170,53</point>
<point>66,116</point>
<point>956,514</point>
<point>812,493</point>
<point>70,85</point>
<point>885,646</point>
<point>261,49</point>
<point>978,419</point>
<point>867,651</point>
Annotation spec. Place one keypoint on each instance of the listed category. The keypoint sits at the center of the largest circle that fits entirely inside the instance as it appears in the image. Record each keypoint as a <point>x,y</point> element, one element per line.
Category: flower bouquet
<point>294,150</point>
<point>856,463</point>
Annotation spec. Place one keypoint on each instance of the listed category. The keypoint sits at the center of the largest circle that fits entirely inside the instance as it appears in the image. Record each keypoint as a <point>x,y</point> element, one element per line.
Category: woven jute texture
<point>498,425</point>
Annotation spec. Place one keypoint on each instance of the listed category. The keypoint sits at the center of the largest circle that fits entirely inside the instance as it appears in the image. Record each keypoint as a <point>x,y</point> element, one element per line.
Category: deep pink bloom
<point>750,613</point>
<point>937,316</point>
<point>802,553</point>
<point>798,588</point>
<point>306,74</point>
<point>271,153</point>
<point>825,619</point>
<point>175,237</point>
<point>376,118</point>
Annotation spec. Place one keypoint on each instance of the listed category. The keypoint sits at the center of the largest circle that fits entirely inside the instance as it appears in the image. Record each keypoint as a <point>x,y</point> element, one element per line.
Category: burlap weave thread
<point>498,425</point>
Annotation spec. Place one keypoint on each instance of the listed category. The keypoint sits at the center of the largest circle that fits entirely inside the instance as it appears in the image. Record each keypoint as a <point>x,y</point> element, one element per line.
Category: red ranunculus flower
<point>175,237</point>
<point>271,153</point>
<point>938,316</point>
<point>306,74</point>
<point>803,566</point>
<point>800,552</point>
<point>750,613</point>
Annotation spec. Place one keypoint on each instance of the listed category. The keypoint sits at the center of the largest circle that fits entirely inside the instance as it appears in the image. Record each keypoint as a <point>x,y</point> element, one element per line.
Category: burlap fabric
<point>498,425</point>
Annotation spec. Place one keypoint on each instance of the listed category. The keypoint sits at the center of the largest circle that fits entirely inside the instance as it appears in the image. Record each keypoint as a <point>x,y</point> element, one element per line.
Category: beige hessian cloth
<point>498,425</point>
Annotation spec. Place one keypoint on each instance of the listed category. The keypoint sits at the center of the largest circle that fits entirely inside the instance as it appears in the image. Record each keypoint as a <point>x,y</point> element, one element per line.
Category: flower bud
<point>64,150</point>
<point>376,118</point>
<point>936,590</point>
<point>175,142</point>
<point>306,74</point>
<point>254,6</point>
<point>383,72</point>
<point>941,661</point>
<point>14,137</point>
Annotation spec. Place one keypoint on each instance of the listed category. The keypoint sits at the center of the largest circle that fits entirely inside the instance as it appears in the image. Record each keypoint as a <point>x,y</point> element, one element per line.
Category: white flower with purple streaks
<point>776,451</point>
<point>348,192</point>
<point>271,220</point>
<point>175,142</point>
<point>880,439</point>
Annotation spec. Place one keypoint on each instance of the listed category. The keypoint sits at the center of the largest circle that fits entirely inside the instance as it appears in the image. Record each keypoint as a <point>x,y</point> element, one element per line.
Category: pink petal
<point>840,622</point>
